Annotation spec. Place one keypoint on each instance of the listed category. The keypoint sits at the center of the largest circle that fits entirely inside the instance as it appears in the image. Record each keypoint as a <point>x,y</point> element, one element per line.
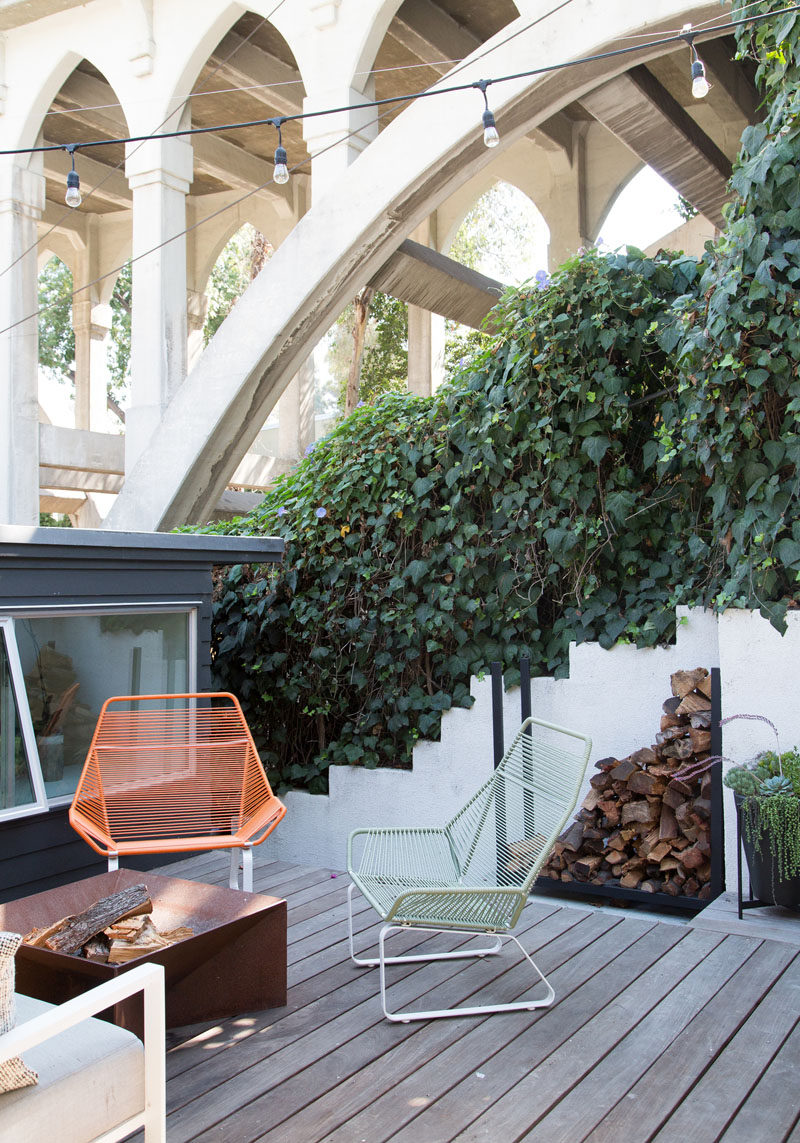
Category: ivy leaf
<point>596,448</point>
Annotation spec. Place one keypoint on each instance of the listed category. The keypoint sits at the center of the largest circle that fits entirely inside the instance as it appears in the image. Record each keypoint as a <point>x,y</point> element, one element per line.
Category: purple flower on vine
<point>310,448</point>
<point>282,511</point>
<point>320,512</point>
<point>542,279</point>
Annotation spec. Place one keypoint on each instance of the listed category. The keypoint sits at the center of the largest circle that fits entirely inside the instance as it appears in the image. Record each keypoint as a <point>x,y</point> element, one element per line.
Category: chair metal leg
<point>233,878</point>
<point>475,1010</point>
<point>113,862</point>
<point>458,954</point>
<point>247,869</point>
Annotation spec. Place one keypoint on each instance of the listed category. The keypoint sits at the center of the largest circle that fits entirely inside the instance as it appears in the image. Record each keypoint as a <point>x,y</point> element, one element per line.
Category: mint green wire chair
<point>474,874</point>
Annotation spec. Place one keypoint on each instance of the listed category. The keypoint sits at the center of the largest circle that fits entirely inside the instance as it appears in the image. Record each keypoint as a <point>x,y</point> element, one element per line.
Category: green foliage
<point>384,363</point>
<point>119,349</point>
<point>56,336</point>
<point>736,427</point>
<point>49,520</point>
<point>230,277</point>
<point>515,511</point>
<point>625,441</point>
<point>769,786</point>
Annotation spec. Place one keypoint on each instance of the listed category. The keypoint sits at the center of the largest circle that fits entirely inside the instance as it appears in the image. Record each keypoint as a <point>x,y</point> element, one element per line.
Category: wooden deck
<point>660,1031</point>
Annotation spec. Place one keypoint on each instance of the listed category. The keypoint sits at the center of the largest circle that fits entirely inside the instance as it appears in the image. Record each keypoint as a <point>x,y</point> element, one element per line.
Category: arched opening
<point>245,254</point>
<point>56,343</point>
<point>504,236</point>
<point>645,210</point>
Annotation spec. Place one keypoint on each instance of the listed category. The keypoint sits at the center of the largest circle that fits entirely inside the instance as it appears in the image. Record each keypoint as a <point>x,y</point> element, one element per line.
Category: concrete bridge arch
<point>347,236</point>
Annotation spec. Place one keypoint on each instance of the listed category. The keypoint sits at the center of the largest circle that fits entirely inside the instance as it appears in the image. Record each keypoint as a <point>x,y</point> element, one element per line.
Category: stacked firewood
<point>642,825</point>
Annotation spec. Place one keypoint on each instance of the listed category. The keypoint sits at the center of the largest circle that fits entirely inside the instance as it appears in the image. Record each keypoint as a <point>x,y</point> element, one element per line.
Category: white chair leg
<point>457,954</point>
<point>233,879</point>
<point>476,1010</point>
<point>113,862</point>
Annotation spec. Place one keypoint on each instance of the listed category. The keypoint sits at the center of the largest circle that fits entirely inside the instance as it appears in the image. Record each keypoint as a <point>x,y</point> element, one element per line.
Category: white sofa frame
<point>146,978</point>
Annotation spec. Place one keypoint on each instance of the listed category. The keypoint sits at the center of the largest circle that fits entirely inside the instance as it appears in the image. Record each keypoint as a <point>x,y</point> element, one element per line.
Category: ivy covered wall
<point>626,442</point>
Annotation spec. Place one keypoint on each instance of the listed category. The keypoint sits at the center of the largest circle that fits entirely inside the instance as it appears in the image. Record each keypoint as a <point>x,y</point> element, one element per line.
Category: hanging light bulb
<point>490,135</point>
<point>281,173</point>
<point>700,85</point>
<point>73,196</point>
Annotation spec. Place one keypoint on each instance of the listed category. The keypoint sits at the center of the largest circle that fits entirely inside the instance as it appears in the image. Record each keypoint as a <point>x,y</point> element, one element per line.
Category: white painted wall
<point>614,696</point>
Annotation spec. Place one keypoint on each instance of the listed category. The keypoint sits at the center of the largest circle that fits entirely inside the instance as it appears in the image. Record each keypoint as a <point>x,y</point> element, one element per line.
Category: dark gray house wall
<point>55,567</point>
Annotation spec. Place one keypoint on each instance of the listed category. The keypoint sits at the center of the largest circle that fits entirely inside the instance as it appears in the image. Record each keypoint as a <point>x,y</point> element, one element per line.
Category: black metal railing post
<point>717,838</point>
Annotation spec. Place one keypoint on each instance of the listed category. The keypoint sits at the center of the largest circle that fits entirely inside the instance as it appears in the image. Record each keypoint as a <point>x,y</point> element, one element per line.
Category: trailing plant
<point>517,510</point>
<point>736,427</point>
<point>769,791</point>
<point>625,441</point>
<point>770,810</point>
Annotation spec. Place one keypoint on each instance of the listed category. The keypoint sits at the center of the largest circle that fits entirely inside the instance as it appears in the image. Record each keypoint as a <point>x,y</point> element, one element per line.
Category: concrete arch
<point>467,196</point>
<point>609,206</point>
<point>344,239</point>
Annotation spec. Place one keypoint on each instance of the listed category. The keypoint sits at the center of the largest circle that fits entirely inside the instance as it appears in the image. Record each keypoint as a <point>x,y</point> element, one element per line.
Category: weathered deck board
<point>659,1032</point>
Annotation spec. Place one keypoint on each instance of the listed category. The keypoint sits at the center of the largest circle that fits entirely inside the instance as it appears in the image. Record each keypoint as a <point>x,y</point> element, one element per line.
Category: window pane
<point>73,663</point>
<point>16,788</point>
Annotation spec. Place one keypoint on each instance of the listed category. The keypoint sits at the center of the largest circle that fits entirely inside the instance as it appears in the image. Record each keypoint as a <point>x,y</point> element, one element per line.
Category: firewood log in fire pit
<point>112,930</point>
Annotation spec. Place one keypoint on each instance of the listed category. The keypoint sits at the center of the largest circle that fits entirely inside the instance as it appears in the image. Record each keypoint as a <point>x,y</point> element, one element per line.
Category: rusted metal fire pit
<point>234,963</point>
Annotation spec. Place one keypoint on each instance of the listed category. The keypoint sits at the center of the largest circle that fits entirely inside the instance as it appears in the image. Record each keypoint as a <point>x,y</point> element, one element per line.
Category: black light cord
<point>428,93</point>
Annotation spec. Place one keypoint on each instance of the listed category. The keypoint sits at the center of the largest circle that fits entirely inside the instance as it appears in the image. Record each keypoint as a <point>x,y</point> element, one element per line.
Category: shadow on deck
<point>660,1031</point>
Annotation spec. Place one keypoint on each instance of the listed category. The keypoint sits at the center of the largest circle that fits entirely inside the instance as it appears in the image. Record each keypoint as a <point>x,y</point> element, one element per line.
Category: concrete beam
<point>81,449</point>
<point>431,34</point>
<point>641,112</point>
<point>58,216</point>
<point>213,156</point>
<point>423,277</point>
<point>62,503</point>
<point>73,480</point>
<point>259,472</point>
<point>232,503</point>
<point>243,65</point>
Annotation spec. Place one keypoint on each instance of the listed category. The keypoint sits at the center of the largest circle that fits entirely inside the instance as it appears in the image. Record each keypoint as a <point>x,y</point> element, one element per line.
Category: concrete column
<point>438,336</point>
<point>21,204</point>
<point>82,327</point>
<point>420,376</point>
<point>196,313</point>
<point>334,141</point>
<point>159,173</point>
<point>99,372</point>
<point>296,413</point>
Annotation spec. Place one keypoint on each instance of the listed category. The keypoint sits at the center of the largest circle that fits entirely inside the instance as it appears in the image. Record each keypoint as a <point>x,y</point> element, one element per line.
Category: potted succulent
<point>767,795</point>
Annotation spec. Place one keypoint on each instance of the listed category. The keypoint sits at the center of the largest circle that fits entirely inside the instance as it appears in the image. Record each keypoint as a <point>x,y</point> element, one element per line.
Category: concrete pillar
<point>21,204</point>
<point>420,361</point>
<point>196,313</point>
<point>82,327</point>
<point>99,372</point>
<point>296,413</point>
<point>438,337</point>
<point>160,173</point>
<point>334,141</point>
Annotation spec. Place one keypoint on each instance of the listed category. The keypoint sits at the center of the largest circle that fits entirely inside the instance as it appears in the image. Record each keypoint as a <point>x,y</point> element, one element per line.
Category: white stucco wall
<point>614,696</point>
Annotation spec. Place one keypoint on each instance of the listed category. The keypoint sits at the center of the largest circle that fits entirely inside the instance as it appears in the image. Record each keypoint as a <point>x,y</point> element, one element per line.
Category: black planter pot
<point>765,883</point>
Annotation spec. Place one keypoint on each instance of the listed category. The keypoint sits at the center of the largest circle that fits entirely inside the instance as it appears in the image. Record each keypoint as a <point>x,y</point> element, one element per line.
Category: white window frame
<point>190,608</point>
<point>23,713</point>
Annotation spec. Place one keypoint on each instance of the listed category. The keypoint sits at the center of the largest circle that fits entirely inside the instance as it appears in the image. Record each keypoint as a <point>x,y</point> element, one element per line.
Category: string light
<point>490,136</point>
<point>281,172</point>
<point>700,85</point>
<point>73,196</point>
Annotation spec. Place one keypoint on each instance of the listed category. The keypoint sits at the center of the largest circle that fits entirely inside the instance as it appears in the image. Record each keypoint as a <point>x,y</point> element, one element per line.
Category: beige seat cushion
<point>91,1078</point>
<point>13,1072</point>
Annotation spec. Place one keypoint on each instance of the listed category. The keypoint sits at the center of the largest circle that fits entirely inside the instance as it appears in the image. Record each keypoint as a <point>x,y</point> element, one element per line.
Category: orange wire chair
<point>171,774</point>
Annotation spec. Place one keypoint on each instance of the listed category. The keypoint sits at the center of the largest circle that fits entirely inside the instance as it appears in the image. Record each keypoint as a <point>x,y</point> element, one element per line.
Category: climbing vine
<point>624,442</point>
